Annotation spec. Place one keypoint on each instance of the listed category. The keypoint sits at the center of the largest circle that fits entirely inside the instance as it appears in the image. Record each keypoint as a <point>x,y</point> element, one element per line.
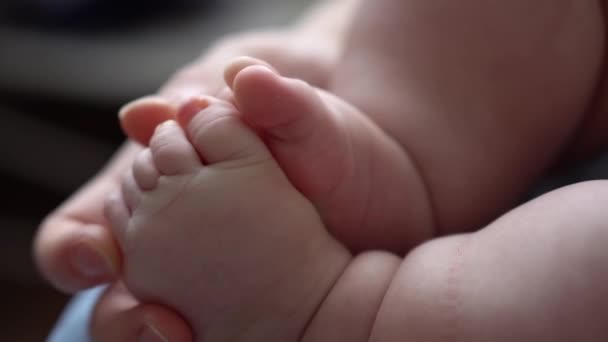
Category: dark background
<point>65,70</point>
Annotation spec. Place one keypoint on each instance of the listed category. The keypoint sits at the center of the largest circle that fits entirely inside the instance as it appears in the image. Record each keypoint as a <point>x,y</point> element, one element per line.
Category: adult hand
<point>119,317</point>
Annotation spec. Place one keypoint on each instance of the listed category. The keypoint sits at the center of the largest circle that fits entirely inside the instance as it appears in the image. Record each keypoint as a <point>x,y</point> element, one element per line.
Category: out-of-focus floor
<point>59,95</point>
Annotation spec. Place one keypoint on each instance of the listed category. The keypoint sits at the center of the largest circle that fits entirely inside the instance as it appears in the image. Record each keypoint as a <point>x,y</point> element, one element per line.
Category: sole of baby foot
<point>218,214</point>
<point>363,183</point>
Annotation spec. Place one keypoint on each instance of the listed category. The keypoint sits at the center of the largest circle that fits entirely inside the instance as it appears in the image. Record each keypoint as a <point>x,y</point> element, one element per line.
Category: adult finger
<point>74,247</point>
<point>119,317</point>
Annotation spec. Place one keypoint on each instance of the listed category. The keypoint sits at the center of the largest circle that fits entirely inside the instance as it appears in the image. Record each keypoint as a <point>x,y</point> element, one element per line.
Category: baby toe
<point>219,135</point>
<point>171,151</point>
<point>145,172</point>
<point>237,64</point>
<point>117,214</point>
<point>130,191</point>
<point>287,109</point>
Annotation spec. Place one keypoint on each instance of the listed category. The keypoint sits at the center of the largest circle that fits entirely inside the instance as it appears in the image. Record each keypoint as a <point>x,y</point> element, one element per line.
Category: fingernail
<point>151,334</point>
<point>90,262</point>
<point>151,100</point>
<point>128,107</point>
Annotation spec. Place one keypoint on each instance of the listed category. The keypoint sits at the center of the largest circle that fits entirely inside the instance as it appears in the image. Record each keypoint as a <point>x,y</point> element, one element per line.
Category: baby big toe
<point>286,109</point>
<point>219,135</point>
<point>301,128</point>
<point>171,151</point>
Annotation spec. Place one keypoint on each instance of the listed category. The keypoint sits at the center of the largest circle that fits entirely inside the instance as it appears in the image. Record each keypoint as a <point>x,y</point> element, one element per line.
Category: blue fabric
<point>73,325</point>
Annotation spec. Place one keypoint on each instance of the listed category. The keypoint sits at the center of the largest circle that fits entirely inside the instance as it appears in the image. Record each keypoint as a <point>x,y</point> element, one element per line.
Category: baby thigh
<point>475,90</point>
<point>538,273</point>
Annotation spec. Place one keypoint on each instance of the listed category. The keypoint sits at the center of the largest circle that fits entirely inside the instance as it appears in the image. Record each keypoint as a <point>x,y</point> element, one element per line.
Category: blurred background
<point>66,66</point>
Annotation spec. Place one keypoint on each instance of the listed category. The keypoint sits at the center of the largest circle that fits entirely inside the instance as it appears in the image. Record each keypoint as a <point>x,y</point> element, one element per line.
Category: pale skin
<point>313,44</point>
<point>335,155</point>
<point>457,85</point>
<point>213,188</point>
<point>102,239</point>
<point>448,113</point>
<point>80,219</point>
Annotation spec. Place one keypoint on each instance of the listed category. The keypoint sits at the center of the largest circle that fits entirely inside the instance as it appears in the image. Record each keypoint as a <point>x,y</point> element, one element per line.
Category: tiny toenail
<point>90,262</point>
<point>190,108</point>
<point>165,125</point>
<point>150,334</point>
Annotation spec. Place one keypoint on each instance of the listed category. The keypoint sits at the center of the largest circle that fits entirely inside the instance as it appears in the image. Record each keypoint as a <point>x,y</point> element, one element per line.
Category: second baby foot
<point>363,183</point>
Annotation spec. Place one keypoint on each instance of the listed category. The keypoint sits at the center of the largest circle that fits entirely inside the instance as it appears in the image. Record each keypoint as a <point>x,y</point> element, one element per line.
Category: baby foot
<point>210,225</point>
<point>363,183</point>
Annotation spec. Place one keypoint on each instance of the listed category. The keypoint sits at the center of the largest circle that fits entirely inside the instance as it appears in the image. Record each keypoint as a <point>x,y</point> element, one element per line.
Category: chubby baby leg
<point>214,211</point>
<point>483,95</point>
<point>538,273</point>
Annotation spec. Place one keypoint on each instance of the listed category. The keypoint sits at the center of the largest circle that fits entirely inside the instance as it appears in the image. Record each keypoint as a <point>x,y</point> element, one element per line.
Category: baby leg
<point>484,95</point>
<point>538,273</point>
